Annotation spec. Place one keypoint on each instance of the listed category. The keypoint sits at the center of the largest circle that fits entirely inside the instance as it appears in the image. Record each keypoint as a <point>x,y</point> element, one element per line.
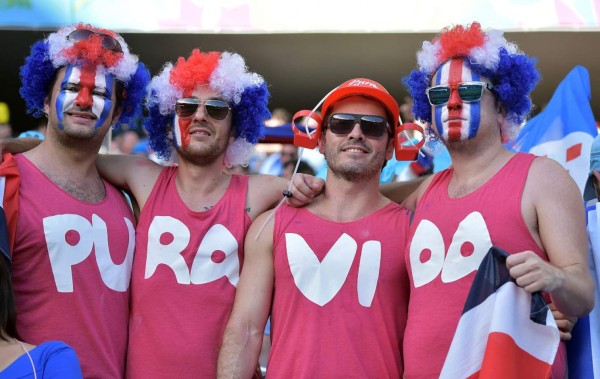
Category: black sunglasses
<point>469,92</point>
<point>371,126</point>
<point>188,106</point>
<point>108,42</point>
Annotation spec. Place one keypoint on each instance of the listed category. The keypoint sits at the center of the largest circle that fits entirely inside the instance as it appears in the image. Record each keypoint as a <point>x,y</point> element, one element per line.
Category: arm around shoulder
<point>243,335</point>
<point>130,172</point>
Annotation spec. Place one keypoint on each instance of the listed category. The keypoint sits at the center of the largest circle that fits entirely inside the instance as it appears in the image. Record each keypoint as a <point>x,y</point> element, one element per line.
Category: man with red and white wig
<point>472,89</point>
<point>74,237</point>
<point>205,114</point>
<point>331,274</point>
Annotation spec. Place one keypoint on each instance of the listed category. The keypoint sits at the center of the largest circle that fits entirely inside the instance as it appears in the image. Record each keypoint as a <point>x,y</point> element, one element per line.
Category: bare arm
<point>134,173</point>
<point>398,192</point>
<point>244,332</point>
<point>558,207</point>
<point>18,145</point>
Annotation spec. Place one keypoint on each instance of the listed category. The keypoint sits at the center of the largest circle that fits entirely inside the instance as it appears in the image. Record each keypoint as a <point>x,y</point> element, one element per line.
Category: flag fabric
<point>565,129</point>
<point>9,201</point>
<point>583,351</point>
<point>504,331</point>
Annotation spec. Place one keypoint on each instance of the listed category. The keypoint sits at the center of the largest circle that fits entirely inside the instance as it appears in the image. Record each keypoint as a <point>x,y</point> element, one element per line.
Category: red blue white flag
<point>504,331</point>
<point>565,129</point>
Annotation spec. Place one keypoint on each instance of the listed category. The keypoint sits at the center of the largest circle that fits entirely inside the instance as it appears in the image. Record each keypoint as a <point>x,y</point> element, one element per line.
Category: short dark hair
<point>8,325</point>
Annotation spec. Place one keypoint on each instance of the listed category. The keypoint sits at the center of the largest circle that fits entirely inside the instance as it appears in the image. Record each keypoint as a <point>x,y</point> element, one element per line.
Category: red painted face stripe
<point>454,77</point>
<point>87,83</point>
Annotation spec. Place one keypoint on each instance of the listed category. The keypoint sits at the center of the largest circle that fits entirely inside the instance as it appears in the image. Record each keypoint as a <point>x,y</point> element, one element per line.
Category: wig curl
<point>225,73</point>
<point>512,73</point>
<point>56,51</point>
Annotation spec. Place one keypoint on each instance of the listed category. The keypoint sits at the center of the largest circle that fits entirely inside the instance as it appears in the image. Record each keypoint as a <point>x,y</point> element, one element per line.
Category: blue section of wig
<point>37,76</point>
<point>135,89</point>
<point>251,112</point>
<point>157,125</point>
<point>248,116</point>
<point>513,79</point>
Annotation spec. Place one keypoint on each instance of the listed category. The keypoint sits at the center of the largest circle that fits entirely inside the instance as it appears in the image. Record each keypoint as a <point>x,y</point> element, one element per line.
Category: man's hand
<point>304,188</point>
<point>533,273</point>
<point>565,324</point>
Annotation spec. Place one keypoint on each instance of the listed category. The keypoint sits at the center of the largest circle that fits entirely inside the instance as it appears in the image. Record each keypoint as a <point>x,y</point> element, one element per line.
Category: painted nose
<point>454,101</point>
<point>84,98</point>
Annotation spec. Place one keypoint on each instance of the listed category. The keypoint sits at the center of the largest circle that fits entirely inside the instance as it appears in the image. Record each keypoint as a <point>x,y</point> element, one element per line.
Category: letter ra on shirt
<point>64,254</point>
<point>204,268</point>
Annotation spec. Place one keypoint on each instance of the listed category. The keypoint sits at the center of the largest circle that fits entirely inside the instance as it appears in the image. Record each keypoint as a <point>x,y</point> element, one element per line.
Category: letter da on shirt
<point>64,254</point>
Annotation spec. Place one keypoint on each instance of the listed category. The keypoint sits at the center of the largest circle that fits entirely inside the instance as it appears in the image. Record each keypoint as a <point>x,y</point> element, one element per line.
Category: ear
<point>47,105</point>
<point>116,115</point>
<point>321,143</point>
<point>389,150</point>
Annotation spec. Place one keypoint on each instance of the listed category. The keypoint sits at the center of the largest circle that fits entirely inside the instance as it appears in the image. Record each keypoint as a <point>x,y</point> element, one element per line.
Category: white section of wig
<point>238,152</point>
<point>231,77</point>
<point>488,55</point>
<point>58,43</point>
<point>428,57</point>
<point>165,93</point>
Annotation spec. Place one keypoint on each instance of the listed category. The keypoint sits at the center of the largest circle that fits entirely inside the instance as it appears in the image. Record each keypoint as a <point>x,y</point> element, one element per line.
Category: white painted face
<point>456,120</point>
<point>85,88</point>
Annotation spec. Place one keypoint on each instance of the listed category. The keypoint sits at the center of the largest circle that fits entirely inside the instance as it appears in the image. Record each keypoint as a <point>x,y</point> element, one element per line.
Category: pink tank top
<point>448,239</point>
<point>72,265</point>
<point>185,273</point>
<point>341,292</point>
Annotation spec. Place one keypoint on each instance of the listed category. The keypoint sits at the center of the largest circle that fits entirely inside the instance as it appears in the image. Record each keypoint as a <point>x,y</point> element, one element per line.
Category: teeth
<point>354,150</point>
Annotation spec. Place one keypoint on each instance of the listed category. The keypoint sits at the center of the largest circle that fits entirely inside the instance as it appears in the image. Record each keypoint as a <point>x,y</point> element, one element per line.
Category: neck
<point>345,201</point>
<point>200,179</point>
<point>52,156</point>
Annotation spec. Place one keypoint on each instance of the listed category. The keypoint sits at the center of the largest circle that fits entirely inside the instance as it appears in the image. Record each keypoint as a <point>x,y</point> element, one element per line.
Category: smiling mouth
<point>89,116</point>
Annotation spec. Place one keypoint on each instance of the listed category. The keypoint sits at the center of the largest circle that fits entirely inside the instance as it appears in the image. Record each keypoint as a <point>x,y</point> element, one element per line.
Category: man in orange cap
<point>330,273</point>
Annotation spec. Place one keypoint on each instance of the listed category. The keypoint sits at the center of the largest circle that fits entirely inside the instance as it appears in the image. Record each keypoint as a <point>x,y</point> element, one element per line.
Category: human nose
<point>454,101</point>
<point>356,132</point>
<point>200,112</point>
<point>84,98</point>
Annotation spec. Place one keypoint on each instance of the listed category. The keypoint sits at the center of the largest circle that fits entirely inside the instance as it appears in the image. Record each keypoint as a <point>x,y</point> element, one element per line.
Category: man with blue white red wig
<point>472,89</point>
<point>74,236</point>
<point>205,114</point>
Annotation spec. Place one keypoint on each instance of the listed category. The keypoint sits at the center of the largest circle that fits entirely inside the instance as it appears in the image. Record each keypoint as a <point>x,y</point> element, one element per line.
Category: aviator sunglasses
<point>468,92</point>
<point>371,126</point>
<point>216,109</point>
<point>108,42</point>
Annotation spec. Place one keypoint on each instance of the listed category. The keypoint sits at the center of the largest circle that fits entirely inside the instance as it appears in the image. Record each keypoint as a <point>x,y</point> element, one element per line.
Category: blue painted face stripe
<point>438,110</point>
<point>60,98</point>
<point>475,119</point>
<point>110,82</point>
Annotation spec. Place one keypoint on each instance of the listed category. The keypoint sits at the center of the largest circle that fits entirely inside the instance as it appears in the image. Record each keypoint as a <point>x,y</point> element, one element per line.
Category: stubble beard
<point>354,171</point>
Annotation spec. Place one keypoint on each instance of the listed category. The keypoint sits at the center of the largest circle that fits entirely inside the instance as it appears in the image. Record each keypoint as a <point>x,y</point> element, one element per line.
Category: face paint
<point>457,120</point>
<point>84,88</point>
<point>181,136</point>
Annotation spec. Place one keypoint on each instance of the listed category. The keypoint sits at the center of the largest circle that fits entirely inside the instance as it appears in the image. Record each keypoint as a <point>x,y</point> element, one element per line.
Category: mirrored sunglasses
<point>371,126</point>
<point>216,109</point>
<point>469,92</point>
<point>108,42</point>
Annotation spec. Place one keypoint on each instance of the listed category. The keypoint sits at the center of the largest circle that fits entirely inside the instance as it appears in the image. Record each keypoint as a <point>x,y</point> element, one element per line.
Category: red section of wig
<point>459,41</point>
<point>196,70</point>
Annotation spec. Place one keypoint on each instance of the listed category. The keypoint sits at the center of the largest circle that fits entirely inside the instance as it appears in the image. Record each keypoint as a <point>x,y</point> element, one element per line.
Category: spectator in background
<point>303,168</point>
<point>5,127</point>
<point>125,138</point>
